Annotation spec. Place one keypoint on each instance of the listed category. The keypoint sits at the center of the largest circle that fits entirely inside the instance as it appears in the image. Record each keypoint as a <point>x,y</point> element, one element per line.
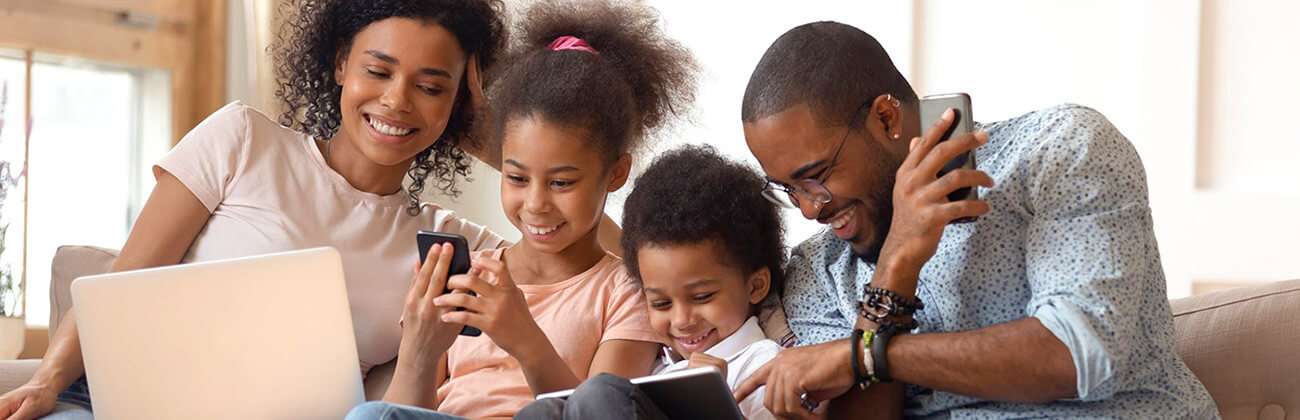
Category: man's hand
<point>814,373</point>
<point>921,206</point>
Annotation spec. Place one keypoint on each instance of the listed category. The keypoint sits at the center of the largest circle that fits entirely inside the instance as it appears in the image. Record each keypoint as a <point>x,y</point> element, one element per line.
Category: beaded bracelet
<point>891,302</point>
<point>868,361</point>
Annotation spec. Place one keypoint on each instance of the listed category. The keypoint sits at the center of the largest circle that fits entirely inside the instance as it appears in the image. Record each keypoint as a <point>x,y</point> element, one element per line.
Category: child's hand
<point>425,337</point>
<point>699,359</point>
<point>498,309</point>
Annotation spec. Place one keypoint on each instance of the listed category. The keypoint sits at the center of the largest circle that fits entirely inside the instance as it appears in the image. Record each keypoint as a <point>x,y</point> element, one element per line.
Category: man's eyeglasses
<point>811,189</point>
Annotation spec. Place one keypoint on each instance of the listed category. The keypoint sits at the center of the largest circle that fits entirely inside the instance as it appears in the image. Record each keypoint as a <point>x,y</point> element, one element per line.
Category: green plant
<point>11,293</point>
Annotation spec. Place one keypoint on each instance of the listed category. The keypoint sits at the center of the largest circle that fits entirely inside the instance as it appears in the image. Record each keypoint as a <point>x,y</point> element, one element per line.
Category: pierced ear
<point>622,168</point>
<point>760,284</point>
<point>886,118</point>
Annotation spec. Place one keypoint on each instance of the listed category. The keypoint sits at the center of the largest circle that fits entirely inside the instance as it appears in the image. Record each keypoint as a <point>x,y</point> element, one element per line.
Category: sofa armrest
<point>15,373</point>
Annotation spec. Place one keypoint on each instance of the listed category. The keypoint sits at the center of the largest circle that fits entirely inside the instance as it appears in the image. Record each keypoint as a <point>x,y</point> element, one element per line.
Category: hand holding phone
<point>425,239</point>
<point>932,109</point>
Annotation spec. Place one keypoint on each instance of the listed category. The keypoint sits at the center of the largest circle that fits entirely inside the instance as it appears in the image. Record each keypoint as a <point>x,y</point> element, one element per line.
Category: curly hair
<point>315,32</point>
<point>632,84</point>
<point>691,195</point>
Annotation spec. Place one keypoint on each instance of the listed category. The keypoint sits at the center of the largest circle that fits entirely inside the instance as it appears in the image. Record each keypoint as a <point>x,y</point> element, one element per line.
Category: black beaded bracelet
<point>890,301</point>
<point>882,321</point>
<point>878,346</point>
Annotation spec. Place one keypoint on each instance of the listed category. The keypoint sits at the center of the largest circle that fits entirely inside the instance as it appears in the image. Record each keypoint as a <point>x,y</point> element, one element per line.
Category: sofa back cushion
<point>70,262</point>
<point>1242,344</point>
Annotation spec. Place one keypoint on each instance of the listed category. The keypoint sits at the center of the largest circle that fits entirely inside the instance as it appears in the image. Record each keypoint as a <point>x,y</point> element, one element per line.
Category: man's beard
<point>884,217</point>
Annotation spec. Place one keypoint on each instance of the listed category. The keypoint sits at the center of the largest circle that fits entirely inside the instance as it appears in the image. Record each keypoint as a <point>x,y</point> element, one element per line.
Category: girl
<point>374,92</point>
<point>576,98</point>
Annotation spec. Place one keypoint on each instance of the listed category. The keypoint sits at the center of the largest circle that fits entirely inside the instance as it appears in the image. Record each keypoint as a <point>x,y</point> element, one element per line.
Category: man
<point>1051,304</point>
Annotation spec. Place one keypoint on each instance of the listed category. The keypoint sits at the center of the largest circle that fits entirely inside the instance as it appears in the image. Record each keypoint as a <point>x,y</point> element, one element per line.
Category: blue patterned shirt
<point>1069,241</point>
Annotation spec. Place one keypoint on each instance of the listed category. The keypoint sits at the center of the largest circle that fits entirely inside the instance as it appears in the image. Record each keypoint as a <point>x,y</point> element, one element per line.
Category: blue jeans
<point>73,403</point>
<point>604,396</point>
<point>380,410</point>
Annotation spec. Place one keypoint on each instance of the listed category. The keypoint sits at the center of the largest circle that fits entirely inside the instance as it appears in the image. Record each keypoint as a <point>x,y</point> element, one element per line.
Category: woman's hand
<point>497,307</point>
<point>27,402</point>
<point>474,80</point>
<point>480,145</point>
<point>425,336</point>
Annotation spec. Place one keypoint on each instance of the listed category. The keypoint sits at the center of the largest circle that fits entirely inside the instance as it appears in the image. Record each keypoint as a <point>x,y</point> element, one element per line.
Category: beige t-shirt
<point>269,190</point>
<point>578,314</point>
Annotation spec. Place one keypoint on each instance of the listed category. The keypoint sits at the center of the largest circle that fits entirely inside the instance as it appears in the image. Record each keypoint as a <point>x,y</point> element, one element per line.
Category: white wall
<point>1200,88</point>
<point>1203,91</point>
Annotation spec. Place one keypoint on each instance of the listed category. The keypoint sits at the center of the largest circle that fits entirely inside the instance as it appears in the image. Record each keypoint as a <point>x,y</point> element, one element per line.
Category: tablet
<point>692,393</point>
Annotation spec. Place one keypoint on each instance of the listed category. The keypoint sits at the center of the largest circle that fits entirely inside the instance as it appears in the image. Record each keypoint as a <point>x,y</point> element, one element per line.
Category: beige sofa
<point>1241,343</point>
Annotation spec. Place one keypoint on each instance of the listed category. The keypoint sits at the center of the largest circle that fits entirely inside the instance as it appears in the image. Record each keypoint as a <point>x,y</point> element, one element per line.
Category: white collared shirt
<point>745,351</point>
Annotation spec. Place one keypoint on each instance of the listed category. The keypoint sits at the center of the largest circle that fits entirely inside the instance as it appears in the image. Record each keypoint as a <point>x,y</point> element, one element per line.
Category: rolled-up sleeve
<point>1091,255</point>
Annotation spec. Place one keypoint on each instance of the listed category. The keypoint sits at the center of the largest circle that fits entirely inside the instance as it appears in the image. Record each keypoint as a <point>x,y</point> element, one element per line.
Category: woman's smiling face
<point>400,79</point>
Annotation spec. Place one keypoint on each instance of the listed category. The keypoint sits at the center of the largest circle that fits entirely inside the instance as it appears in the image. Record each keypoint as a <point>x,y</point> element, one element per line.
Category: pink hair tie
<point>570,42</point>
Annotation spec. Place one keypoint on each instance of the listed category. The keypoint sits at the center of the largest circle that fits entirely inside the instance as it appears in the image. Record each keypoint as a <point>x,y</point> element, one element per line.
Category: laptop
<point>264,337</point>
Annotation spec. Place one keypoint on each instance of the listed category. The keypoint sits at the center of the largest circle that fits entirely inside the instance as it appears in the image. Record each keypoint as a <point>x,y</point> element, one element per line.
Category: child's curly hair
<point>315,32</point>
<point>633,83</point>
<point>691,195</point>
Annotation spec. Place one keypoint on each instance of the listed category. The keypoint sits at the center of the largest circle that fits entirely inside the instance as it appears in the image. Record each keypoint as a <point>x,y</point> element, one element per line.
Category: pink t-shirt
<point>577,315</point>
<point>269,190</point>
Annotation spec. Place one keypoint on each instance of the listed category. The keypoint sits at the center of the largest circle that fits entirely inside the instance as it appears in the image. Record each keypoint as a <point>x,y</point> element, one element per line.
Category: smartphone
<point>425,239</point>
<point>932,108</point>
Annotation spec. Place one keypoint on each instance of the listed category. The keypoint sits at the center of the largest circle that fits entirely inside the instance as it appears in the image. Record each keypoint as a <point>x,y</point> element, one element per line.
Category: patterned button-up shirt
<point>1069,241</point>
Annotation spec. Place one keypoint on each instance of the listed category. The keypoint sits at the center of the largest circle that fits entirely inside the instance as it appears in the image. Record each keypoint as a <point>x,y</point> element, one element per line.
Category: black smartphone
<point>425,239</point>
<point>932,108</point>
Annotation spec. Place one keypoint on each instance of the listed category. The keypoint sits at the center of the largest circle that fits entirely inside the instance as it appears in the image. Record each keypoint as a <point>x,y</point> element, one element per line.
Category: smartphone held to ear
<point>425,239</point>
<point>932,109</point>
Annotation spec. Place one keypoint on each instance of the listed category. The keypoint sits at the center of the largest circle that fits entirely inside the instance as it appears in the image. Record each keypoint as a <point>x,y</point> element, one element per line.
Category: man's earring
<point>897,136</point>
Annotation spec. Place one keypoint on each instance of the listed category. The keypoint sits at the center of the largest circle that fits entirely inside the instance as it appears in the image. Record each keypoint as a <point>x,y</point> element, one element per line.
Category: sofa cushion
<point>1241,344</point>
<point>71,262</point>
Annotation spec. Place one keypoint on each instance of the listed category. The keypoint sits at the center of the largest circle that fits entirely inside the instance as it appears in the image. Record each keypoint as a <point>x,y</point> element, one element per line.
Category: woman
<point>376,92</point>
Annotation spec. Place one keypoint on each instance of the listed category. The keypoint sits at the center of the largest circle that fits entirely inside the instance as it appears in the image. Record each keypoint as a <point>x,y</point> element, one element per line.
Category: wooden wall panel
<point>187,38</point>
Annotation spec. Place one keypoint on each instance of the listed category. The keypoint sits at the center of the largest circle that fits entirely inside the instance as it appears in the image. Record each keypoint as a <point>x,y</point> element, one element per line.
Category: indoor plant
<point>13,327</point>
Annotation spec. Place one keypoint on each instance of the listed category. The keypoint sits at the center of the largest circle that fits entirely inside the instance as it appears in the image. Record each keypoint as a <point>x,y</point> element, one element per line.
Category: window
<point>12,150</point>
<point>130,79</point>
<point>95,131</point>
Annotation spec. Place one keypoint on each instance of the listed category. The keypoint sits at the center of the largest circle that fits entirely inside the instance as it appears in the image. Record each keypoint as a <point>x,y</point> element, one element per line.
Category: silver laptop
<point>265,337</point>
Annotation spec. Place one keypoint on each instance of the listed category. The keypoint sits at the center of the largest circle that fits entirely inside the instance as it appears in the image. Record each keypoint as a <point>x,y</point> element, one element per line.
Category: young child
<point>581,93</point>
<point>707,248</point>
